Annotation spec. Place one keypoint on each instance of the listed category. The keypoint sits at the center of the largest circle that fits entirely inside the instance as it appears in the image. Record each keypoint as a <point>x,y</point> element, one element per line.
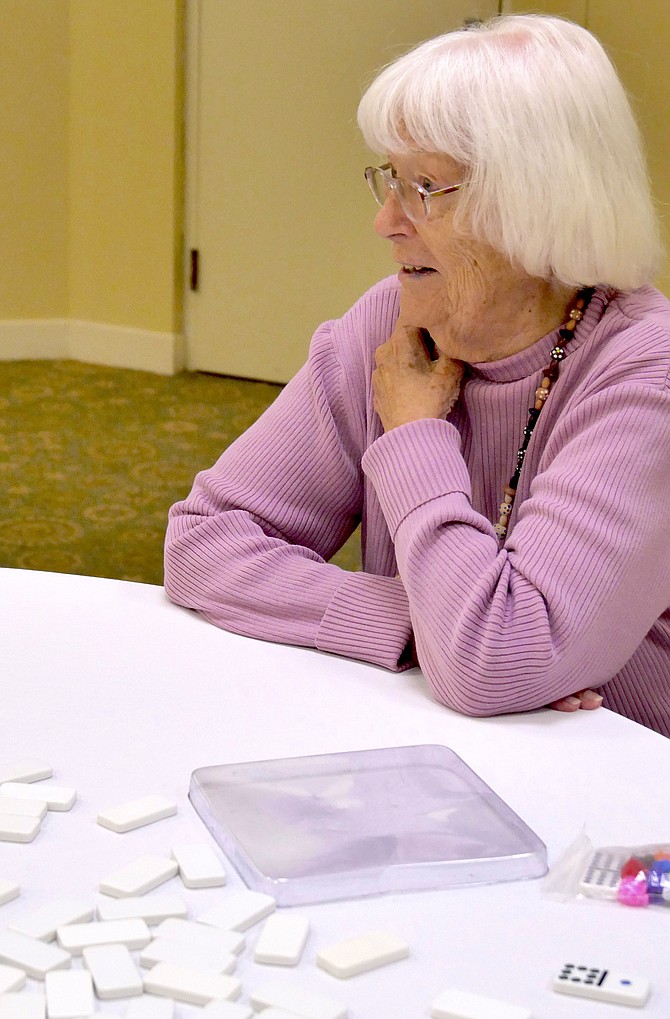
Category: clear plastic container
<point>338,826</point>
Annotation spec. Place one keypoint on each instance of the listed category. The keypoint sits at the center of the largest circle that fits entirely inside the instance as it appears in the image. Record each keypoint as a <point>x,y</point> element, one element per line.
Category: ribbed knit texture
<point>577,597</point>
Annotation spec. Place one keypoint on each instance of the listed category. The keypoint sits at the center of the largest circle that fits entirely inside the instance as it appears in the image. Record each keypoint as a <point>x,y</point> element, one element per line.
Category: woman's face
<point>449,280</point>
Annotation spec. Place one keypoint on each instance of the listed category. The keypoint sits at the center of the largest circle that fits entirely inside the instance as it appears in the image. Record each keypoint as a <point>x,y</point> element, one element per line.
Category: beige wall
<point>91,172</point>
<point>637,38</point>
<point>33,161</point>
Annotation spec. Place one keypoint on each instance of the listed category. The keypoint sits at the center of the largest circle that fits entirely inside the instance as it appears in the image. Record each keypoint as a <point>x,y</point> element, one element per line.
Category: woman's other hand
<point>408,385</point>
<point>587,700</point>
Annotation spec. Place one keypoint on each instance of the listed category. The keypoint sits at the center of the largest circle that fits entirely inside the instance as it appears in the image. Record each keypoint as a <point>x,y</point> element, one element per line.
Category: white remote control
<point>601,985</point>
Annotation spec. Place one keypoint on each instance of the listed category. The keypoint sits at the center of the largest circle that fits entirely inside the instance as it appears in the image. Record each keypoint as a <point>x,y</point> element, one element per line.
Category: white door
<point>277,206</point>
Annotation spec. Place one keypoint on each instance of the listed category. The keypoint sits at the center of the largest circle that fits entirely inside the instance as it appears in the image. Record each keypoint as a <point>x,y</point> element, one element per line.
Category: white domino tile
<point>151,908</point>
<point>30,769</point>
<point>56,797</point>
<point>18,828</point>
<point>150,1007</point>
<point>11,978</point>
<point>225,1010</point>
<point>8,890</point>
<point>42,923</point>
<point>239,911</point>
<point>360,954</point>
<point>22,807</point>
<point>199,867</point>
<point>282,939</point>
<point>186,953</point>
<point>133,933</point>
<point>69,995</point>
<point>113,971</point>
<point>306,1004</point>
<point>136,813</point>
<point>22,1005</point>
<point>455,1004</point>
<point>200,934</point>
<point>279,1013</point>
<point>196,987</point>
<point>35,957</point>
<point>139,876</point>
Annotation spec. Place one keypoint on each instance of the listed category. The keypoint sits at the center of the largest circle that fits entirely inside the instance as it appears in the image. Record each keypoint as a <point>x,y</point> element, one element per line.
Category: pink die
<point>633,892</point>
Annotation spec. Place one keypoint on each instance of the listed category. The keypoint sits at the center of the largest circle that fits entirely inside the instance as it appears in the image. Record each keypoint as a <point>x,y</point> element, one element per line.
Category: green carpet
<point>91,459</point>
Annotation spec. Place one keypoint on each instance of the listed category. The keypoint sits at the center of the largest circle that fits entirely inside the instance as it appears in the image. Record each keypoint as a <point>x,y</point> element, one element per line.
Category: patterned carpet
<point>91,459</point>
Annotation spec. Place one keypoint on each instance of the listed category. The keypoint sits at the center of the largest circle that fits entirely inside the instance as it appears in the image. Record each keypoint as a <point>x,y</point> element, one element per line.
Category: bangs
<point>411,108</point>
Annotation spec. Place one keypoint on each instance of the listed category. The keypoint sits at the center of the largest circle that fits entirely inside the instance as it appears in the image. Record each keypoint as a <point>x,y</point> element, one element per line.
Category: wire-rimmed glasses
<point>414,199</point>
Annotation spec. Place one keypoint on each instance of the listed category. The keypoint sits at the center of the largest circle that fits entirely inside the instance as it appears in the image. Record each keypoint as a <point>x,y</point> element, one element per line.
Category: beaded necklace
<point>549,376</point>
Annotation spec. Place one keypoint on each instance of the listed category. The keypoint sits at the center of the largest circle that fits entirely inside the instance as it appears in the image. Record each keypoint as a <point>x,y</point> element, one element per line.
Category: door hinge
<point>194,269</point>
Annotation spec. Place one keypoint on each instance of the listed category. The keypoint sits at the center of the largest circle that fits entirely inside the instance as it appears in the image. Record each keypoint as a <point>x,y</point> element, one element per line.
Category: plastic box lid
<point>338,826</point>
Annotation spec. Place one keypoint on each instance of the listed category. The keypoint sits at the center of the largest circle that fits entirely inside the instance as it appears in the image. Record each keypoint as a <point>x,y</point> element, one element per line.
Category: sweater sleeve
<point>584,573</point>
<point>249,546</point>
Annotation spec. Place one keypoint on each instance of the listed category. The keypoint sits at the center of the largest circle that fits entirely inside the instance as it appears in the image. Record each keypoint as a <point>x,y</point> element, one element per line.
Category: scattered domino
<point>35,957</point>
<point>29,770</point>
<point>198,865</point>
<point>601,985</point>
<point>360,954</point>
<point>200,934</point>
<point>454,1004</point>
<point>113,971</point>
<point>282,940</point>
<point>15,1005</point>
<point>225,1010</point>
<point>56,797</point>
<point>11,978</point>
<point>239,911</point>
<point>69,995</point>
<point>185,953</point>
<point>22,807</point>
<point>8,890</point>
<point>152,908</point>
<point>149,1007</point>
<point>42,923</point>
<point>75,937</point>
<point>18,828</point>
<point>136,813</point>
<point>140,876</point>
<point>306,1004</point>
<point>196,987</point>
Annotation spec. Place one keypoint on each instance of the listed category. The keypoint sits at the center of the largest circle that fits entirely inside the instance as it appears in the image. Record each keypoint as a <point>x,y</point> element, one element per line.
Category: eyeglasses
<point>414,200</point>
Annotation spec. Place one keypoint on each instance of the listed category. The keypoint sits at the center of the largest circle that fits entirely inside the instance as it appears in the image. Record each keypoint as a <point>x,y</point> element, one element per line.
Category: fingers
<point>590,700</point>
<point>586,700</point>
<point>567,704</point>
<point>416,346</point>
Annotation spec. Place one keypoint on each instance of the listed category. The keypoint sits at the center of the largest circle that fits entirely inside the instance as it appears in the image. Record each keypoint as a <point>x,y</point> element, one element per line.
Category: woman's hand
<point>587,700</point>
<point>408,385</point>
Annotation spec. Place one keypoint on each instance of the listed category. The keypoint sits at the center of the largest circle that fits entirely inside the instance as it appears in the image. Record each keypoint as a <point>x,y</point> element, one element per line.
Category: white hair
<point>533,109</point>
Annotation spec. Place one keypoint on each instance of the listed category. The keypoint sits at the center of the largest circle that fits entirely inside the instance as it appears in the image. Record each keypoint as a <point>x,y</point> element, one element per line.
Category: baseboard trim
<point>92,342</point>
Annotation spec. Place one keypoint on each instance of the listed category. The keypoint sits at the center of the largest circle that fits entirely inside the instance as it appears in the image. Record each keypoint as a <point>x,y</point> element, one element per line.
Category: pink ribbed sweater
<point>577,597</point>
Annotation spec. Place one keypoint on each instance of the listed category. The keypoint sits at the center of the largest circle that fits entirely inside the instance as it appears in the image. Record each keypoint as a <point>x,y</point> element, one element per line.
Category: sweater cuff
<point>368,618</point>
<point>413,464</point>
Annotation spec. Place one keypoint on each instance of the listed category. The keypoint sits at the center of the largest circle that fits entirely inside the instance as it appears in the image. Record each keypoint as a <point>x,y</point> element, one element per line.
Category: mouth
<point>416,270</point>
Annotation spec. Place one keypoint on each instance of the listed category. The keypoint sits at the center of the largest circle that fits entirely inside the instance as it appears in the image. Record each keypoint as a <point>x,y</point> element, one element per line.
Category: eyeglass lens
<point>410,200</point>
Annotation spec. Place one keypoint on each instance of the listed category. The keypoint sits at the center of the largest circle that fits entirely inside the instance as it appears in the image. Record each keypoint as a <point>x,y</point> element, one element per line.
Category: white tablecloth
<point>125,695</point>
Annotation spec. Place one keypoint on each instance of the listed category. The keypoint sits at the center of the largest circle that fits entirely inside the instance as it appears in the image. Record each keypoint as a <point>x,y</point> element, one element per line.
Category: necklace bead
<point>549,376</point>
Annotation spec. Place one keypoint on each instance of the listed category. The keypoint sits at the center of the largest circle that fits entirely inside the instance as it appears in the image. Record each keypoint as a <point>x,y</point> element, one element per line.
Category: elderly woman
<point>497,416</point>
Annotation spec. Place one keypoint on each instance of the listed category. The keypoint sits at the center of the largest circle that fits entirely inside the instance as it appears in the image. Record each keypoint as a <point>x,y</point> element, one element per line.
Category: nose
<point>391,221</point>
